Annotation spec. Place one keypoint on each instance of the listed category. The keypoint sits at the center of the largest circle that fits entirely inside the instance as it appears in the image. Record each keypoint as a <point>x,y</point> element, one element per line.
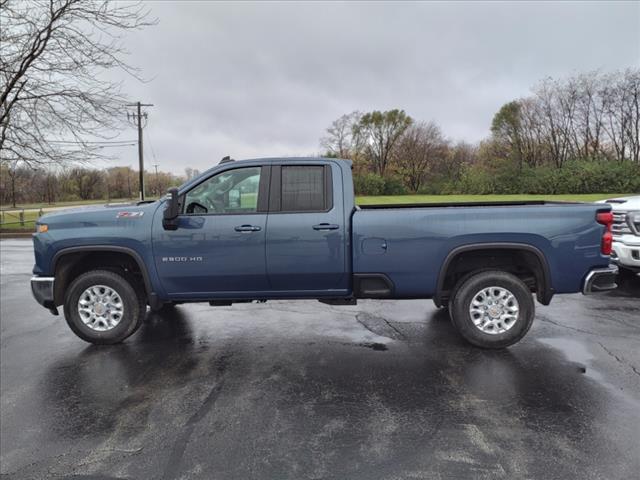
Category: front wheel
<point>104,307</point>
<point>492,309</point>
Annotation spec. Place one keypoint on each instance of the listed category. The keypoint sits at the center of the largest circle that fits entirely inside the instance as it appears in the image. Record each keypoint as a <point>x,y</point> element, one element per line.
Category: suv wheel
<point>104,306</point>
<point>492,309</point>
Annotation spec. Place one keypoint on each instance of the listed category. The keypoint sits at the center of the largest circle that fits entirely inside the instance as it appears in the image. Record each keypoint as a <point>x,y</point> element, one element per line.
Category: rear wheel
<point>104,306</point>
<point>492,309</point>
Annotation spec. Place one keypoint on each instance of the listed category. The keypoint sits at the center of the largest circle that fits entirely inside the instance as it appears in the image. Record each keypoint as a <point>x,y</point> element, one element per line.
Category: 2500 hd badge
<point>181,259</point>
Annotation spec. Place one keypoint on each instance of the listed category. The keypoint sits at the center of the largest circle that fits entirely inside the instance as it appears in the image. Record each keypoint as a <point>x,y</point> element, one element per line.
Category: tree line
<point>586,116</point>
<point>579,134</point>
<point>46,186</point>
<point>59,109</point>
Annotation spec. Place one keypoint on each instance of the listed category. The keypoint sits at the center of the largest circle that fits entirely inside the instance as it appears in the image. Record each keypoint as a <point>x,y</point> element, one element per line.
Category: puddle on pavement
<point>375,346</point>
<point>576,352</point>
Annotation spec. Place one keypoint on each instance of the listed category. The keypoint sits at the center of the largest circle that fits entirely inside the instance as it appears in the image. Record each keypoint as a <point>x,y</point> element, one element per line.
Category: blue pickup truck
<point>256,230</point>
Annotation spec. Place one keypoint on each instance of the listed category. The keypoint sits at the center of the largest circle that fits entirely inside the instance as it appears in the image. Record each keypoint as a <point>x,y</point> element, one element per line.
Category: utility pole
<point>155,165</point>
<point>136,119</point>
<point>106,176</point>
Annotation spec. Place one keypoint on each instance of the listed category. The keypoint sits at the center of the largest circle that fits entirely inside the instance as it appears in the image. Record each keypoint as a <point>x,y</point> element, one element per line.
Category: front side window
<point>231,192</point>
<point>303,189</point>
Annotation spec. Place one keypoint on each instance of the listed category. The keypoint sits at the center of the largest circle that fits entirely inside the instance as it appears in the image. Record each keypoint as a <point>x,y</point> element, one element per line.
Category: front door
<point>219,246</point>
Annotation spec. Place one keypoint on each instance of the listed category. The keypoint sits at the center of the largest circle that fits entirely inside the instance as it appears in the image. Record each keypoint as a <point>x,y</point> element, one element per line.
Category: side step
<point>220,303</point>
<point>339,301</point>
<point>228,303</point>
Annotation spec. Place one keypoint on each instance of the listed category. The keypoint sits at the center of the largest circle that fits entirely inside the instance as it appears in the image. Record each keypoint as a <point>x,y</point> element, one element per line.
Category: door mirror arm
<point>171,210</point>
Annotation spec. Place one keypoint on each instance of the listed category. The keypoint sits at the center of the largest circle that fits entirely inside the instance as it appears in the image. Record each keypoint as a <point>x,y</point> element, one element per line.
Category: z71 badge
<point>129,214</point>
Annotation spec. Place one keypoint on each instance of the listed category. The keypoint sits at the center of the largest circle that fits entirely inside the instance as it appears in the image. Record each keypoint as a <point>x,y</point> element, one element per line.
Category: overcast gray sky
<point>266,79</point>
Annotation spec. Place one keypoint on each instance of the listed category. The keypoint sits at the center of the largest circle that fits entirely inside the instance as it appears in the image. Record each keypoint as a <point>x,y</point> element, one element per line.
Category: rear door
<point>306,234</point>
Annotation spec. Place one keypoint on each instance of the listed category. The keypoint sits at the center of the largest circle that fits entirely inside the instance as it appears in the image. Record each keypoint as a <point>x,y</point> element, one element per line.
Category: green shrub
<point>394,185</point>
<point>500,176</point>
<point>475,180</point>
<point>368,184</point>
<point>577,176</point>
<point>436,185</point>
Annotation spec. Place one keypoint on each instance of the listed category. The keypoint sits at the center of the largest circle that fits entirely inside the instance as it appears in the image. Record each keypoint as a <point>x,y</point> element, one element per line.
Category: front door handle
<point>247,228</point>
<point>326,226</point>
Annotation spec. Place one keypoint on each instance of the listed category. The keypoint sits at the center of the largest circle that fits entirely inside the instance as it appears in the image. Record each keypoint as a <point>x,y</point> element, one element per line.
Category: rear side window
<point>304,189</point>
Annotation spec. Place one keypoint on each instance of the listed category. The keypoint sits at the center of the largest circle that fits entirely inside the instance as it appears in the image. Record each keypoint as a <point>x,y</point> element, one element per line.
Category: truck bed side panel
<point>418,240</point>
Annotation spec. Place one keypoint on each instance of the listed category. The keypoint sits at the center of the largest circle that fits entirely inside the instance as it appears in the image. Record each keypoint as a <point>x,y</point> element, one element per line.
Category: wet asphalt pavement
<point>297,390</point>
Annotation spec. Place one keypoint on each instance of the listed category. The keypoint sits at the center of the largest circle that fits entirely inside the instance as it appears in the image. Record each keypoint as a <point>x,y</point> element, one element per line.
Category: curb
<point>18,234</point>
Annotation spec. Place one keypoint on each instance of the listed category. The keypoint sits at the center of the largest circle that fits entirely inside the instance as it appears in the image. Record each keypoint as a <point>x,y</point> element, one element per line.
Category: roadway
<point>293,390</point>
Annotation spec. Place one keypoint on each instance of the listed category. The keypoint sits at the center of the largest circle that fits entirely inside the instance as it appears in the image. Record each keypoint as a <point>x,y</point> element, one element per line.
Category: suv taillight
<point>606,219</point>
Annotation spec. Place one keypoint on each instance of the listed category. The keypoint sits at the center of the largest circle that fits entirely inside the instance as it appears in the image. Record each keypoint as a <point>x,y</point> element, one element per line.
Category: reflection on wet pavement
<point>384,389</point>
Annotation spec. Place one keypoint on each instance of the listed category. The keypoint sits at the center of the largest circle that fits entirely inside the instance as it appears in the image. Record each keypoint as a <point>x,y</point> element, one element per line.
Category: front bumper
<point>600,280</point>
<point>627,254</point>
<point>42,289</point>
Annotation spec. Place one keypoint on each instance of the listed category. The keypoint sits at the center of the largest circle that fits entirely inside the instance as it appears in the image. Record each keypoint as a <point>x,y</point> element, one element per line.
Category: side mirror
<point>170,215</point>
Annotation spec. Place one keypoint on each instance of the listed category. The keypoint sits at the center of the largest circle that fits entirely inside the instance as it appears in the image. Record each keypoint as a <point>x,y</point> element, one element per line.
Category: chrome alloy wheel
<point>494,310</point>
<point>100,308</point>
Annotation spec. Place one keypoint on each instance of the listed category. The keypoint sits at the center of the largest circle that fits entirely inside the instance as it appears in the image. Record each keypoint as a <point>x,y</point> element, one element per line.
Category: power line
<point>116,146</point>
<point>153,152</point>
<point>155,165</point>
<point>106,142</point>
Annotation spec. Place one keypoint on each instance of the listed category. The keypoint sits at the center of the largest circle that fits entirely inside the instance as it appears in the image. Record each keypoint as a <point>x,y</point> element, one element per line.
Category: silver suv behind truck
<point>626,232</point>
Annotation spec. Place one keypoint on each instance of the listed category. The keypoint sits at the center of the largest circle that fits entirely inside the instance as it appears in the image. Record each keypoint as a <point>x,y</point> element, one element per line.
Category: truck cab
<point>258,229</point>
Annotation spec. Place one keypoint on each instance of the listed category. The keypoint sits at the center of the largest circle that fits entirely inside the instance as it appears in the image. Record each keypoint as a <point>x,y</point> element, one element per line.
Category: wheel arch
<point>62,266</point>
<point>544,289</point>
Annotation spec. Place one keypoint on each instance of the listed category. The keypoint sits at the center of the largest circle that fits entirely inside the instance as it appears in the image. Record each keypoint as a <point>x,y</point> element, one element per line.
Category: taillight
<point>606,219</point>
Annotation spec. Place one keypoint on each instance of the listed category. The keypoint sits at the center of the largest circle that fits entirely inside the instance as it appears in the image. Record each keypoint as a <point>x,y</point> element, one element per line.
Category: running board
<point>339,301</point>
<point>227,303</point>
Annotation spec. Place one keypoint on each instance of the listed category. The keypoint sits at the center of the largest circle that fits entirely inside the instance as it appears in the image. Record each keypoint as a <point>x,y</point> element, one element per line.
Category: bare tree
<point>584,116</point>
<point>557,106</point>
<point>622,114</point>
<point>633,129</point>
<point>12,172</point>
<point>120,182</point>
<point>589,115</point>
<point>421,151</point>
<point>86,182</point>
<point>56,102</point>
<point>379,132</point>
<point>533,140</point>
<point>460,155</point>
<point>340,140</point>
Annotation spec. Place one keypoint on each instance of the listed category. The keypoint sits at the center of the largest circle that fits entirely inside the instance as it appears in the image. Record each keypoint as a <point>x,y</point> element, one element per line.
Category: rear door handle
<point>326,226</point>
<point>247,228</point>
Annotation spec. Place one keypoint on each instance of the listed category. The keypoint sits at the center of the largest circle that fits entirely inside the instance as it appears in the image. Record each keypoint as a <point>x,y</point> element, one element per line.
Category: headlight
<point>42,228</point>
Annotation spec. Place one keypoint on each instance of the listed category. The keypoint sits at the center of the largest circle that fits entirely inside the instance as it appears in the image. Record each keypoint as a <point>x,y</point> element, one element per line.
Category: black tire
<point>461,282</point>
<point>465,294</point>
<point>133,301</point>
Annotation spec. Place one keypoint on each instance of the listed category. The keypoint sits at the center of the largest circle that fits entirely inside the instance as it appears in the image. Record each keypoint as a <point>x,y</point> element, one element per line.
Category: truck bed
<point>409,243</point>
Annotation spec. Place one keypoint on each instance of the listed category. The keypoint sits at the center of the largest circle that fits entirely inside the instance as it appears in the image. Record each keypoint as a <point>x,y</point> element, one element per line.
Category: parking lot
<point>293,390</point>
